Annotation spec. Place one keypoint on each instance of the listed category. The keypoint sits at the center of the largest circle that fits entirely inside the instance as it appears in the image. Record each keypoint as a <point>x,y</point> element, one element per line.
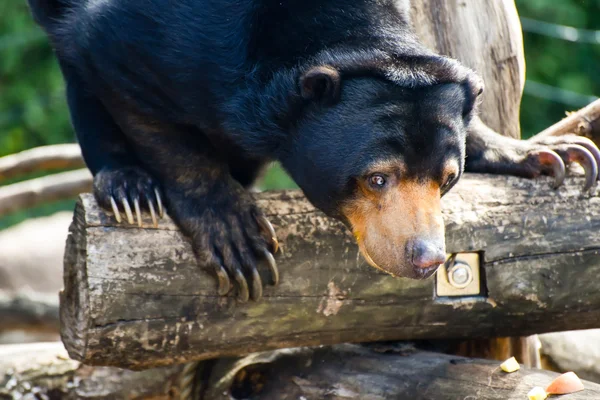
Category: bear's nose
<point>427,255</point>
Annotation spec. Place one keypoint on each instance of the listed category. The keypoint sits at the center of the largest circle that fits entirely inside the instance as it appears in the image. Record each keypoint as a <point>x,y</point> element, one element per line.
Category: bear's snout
<point>401,231</point>
<point>426,256</point>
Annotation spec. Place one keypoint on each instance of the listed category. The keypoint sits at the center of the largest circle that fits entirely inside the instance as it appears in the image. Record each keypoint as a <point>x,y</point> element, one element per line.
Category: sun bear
<point>182,103</point>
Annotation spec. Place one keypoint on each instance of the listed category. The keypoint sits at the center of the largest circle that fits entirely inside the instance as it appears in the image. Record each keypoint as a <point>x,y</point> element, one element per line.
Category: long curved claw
<point>223,278</point>
<point>128,212</point>
<point>115,209</point>
<point>266,225</point>
<point>553,160</point>
<point>272,266</point>
<point>257,286</point>
<point>582,156</point>
<point>138,214</point>
<point>161,210</point>
<point>152,214</point>
<point>244,293</point>
<point>591,147</point>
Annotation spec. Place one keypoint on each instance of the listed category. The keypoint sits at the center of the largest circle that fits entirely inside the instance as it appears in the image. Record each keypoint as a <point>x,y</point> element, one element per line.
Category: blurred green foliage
<point>32,106</point>
<point>33,110</point>
<point>560,63</point>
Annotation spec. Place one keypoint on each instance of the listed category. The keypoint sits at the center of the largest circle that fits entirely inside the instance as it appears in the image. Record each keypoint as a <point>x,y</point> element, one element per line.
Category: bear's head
<point>377,147</point>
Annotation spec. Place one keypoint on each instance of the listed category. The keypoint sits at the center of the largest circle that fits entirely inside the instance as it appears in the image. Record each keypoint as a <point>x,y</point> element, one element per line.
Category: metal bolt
<point>460,275</point>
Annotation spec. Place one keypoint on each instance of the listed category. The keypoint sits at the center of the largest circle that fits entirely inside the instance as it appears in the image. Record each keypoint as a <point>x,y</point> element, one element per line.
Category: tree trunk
<point>135,297</point>
<point>485,36</point>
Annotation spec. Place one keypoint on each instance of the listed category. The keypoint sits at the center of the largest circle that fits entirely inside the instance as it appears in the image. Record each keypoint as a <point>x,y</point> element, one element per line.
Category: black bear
<point>185,101</point>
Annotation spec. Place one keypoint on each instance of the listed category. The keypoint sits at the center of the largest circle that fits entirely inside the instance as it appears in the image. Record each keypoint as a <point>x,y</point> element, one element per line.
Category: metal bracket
<point>459,276</point>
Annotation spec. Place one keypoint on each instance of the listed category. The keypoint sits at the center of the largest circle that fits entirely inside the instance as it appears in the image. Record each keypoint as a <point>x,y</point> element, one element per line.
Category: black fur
<point>195,96</point>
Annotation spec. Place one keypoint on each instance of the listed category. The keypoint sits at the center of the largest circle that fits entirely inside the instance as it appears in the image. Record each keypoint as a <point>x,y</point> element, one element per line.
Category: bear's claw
<point>246,291</point>
<point>229,235</point>
<point>223,278</point>
<point>555,153</point>
<point>125,187</point>
<point>582,156</point>
<point>243,292</point>
<point>257,286</point>
<point>138,213</point>
<point>161,209</point>
<point>266,225</point>
<point>115,209</point>
<point>552,160</point>
<point>128,212</point>
<point>272,266</point>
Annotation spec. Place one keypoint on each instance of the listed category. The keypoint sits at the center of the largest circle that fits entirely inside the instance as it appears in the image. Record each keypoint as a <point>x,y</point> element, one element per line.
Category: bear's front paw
<point>124,187</point>
<point>230,235</point>
<point>551,155</point>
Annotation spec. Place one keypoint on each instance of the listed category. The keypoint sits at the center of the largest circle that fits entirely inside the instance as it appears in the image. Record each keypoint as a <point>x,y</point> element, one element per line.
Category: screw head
<point>460,275</point>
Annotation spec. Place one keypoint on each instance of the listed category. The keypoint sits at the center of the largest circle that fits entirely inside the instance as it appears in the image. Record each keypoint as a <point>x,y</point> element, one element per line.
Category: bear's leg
<point>489,152</point>
<point>228,232</point>
<point>119,180</point>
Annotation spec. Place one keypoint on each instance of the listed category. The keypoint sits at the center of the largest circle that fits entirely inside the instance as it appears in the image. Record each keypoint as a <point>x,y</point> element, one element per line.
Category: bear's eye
<point>377,181</point>
<point>449,181</point>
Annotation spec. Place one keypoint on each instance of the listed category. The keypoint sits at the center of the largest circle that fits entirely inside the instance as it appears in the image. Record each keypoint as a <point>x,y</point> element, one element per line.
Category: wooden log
<point>399,371</point>
<point>60,156</point>
<point>486,36</point>
<point>44,371</point>
<point>135,297</point>
<point>585,122</point>
<point>379,373</point>
<point>27,194</point>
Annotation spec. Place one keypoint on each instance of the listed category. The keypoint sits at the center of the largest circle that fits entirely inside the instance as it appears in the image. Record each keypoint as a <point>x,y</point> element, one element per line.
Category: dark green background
<point>33,110</point>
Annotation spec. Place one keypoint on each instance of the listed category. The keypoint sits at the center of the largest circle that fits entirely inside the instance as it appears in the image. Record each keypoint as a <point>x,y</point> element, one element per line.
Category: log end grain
<point>74,298</point>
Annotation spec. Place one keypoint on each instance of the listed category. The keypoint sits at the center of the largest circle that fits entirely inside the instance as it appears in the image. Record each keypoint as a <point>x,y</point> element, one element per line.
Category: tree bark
<point>485,36</point>
<point>377,373</point>
<point>135,297</point>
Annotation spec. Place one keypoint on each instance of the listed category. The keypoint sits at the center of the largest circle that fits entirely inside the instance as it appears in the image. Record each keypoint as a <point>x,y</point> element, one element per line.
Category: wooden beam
<point>376,373</point>
<point>31,193</point>
<point>60,156</point>
<point>135,297</point>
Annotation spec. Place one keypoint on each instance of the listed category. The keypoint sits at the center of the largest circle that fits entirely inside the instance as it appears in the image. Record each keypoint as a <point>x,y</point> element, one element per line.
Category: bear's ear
<point>473,89</point>
<point>322,84</point>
